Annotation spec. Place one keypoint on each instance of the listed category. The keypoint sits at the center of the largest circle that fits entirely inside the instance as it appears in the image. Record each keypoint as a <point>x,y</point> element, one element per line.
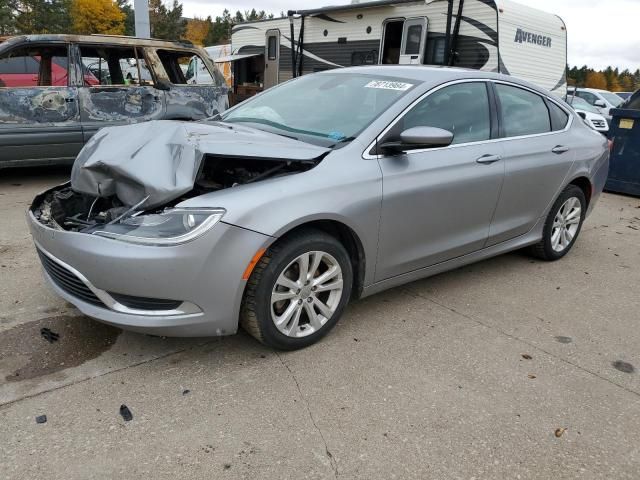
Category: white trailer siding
<point>533,45</point>
<point>344,36</point>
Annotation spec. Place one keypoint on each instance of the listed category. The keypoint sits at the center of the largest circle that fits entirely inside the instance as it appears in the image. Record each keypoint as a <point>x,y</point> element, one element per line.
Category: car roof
<point>432,75</point>
<point>94,39</point>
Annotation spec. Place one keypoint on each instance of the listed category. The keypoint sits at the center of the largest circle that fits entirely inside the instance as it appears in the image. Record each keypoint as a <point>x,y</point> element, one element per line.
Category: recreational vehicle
<point>491,35</point>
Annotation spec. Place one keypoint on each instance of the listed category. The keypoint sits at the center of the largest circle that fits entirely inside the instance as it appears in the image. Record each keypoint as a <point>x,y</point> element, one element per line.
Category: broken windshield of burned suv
<point>331,187</point>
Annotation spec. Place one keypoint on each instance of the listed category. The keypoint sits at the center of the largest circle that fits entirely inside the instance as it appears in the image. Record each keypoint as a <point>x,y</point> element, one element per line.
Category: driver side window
<point>462,109</point>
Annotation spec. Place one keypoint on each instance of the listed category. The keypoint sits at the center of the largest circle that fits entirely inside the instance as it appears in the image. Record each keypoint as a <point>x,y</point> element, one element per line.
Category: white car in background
<point>589,113</point>
<point>603,100</point>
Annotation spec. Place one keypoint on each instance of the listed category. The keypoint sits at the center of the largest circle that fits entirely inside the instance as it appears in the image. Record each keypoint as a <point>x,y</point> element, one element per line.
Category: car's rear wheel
<point>562,226</point>
<point>297,291</point>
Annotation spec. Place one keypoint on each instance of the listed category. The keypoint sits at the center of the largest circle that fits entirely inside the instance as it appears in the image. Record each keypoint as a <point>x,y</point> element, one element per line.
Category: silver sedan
<point>328,188</point>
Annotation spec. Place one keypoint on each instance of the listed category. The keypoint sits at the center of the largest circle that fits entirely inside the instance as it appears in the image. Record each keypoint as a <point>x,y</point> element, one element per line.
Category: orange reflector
<point>256,258</point>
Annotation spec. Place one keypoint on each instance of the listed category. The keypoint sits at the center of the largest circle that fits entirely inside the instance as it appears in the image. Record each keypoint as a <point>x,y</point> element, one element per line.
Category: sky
<point>600,32</point>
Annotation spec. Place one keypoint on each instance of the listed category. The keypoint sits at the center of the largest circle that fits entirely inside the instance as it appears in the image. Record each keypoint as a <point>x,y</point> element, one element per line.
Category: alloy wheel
<point>306,294</point>
<point>566,224</point>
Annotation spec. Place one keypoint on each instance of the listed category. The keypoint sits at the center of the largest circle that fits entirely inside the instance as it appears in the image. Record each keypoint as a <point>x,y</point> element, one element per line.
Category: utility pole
<point>141,13</point>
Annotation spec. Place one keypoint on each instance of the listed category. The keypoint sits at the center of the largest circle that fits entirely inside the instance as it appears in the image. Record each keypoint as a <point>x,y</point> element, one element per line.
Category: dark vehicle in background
<point>57,91</point>
<point>624,95</point>
<point>633,102</point>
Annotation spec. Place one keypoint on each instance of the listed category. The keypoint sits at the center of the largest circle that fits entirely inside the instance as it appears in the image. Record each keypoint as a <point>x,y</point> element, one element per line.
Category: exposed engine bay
<point>65,208</point>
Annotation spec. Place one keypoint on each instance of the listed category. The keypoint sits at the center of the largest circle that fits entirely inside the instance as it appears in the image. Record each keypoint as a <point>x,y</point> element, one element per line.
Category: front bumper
<point>100,276</point>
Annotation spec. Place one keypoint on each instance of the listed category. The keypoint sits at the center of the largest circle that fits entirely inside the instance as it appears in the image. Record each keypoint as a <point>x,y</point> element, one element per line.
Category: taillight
<point>610,145</point>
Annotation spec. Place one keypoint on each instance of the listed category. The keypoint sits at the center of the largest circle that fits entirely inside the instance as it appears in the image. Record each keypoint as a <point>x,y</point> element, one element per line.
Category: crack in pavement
<point>332,460</point>
<point>415,294</point>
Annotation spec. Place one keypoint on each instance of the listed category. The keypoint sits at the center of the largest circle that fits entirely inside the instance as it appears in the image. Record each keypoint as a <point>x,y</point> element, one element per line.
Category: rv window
<point>559,117</point>
<point>462,109</point>
<point>523,112</point>
<point>437,51</point>
<point>273,48</point>
<point>414,34</point>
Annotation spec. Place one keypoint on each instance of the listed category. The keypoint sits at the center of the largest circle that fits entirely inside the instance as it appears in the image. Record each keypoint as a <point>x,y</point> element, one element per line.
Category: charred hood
<point>161,160</point>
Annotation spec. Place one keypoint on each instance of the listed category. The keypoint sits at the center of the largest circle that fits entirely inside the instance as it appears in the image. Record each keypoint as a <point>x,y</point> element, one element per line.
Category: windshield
<point>324,109</point>
<point>582,104</point>
<point>612,98</point>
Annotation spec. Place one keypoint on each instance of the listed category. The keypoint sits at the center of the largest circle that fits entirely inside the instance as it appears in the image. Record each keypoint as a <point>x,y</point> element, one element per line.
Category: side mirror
<point>162,84</point>
<point>599,104</point>
<point>419,137</point>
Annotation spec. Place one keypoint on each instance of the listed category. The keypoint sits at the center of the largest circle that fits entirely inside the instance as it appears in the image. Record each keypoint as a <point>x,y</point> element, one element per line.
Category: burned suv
<point>56,91</point>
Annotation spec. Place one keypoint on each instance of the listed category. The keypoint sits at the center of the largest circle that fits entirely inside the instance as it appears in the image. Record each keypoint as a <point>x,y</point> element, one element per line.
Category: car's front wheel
<point>563,225</point>
<point>297,291</point>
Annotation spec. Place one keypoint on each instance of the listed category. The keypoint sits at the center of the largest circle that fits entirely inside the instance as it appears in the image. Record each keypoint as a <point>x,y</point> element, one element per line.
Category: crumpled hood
<point>161,159</point>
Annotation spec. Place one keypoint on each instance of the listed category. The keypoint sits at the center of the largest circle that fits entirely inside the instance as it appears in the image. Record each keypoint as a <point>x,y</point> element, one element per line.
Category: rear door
<point>39,114</point>
<point>537,153</point>
<point>272,59</point>
<point>118,88</point>
<point>414,36</point>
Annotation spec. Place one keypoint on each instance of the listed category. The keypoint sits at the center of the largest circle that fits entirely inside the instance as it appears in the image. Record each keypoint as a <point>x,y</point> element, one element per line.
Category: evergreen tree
<point>166,22</point>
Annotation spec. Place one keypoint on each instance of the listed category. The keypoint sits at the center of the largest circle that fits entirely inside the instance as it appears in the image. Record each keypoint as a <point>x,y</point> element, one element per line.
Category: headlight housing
<point>172,227</point>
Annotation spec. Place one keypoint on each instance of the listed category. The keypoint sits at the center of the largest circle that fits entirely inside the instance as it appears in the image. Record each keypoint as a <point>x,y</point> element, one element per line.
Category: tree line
<point>116,17</point>
<point>610,78</point>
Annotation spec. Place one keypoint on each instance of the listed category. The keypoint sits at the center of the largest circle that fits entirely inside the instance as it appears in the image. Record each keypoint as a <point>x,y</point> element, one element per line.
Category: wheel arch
<point>584,184</point>
<point>347,237</point>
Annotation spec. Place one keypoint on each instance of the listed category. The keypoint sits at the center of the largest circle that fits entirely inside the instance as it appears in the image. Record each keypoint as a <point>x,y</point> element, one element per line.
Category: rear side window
<point>588,96</point>
<point>462,109</point>
<point>559,118</point>
<point>35,66</point>
<point>523,112</point>
<point>176,64</point>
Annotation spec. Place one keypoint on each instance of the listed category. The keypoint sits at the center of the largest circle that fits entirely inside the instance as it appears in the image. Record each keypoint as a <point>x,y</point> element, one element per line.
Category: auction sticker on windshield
<point>389,85</point>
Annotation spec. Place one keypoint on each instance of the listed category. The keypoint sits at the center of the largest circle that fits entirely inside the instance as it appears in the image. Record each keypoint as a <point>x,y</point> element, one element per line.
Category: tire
<point>278,274</point>
<point>562,218</point>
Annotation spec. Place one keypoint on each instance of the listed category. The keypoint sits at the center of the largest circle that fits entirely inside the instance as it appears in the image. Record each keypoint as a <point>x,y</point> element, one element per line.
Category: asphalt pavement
<point>510,368</point>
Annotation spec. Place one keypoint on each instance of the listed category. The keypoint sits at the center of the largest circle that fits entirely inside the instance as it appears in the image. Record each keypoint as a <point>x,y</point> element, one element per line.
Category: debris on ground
<point>186,391</point>
<point>49,335</point>
<point>41,419</point>
<point>564,340</point>
<point>526,356</point>
<point>531,376</point>
<point>559,432</point>
<point>624,367</point>
<point>125,413</point>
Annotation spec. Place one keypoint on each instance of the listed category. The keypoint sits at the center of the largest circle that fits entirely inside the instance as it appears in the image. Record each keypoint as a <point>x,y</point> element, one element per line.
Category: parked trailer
<point>491,35</point>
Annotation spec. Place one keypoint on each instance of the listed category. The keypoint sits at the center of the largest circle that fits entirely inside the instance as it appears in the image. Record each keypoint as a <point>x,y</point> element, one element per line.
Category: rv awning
<point>233,58</point>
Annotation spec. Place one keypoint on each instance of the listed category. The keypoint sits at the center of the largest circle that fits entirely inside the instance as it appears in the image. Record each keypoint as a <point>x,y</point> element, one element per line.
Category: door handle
<point>69,100</point>
<point>489,159</point>
<point>560,149</point>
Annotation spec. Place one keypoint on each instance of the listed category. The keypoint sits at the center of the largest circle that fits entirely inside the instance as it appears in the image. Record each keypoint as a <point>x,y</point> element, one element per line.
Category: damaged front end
<point>128,182</point>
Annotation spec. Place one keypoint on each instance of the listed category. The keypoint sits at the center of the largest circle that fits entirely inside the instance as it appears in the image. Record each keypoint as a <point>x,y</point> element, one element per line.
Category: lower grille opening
<point>68,281</point>
<point>143,303</point>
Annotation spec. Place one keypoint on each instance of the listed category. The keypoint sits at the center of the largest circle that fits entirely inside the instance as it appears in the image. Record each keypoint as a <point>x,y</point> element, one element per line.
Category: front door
<point>414,36</point>
<point>272,59</point>
<point>438,203</point>
<point>39,115</point>
<point>117,89</point>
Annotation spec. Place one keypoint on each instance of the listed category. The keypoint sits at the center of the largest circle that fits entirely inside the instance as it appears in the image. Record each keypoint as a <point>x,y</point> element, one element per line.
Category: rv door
<point>414,35</point>
<point>272,59</point>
